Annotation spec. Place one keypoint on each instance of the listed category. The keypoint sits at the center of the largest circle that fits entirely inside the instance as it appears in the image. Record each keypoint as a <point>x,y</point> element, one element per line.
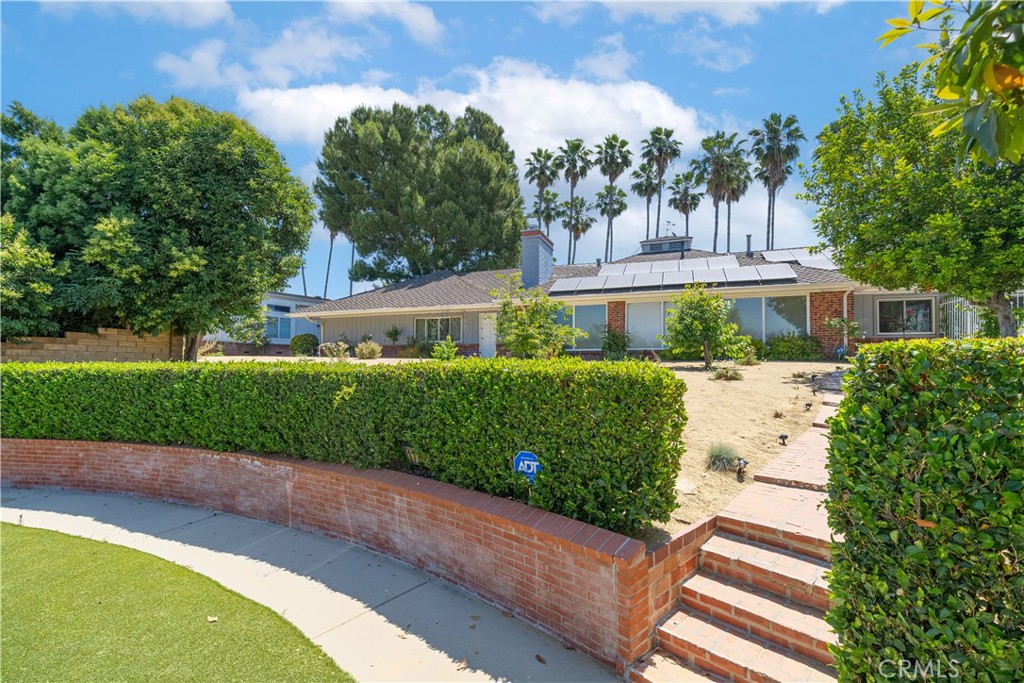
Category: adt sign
<point>526,463</point>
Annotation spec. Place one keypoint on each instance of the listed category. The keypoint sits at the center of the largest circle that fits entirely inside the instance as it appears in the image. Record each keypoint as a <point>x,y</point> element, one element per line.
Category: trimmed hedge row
<point>926,476</point>
<point>608,435</point>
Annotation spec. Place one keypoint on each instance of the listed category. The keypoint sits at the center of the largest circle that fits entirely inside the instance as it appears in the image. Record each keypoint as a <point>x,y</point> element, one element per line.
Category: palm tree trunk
<point>728,226</point>
<point>687,217</point>
<point>304,275</point>
<point>327,277</point>
<point>714,247</point>
<point>768,226</point>
<point>775,194</point>
<point>540,203</point>
<point>657,223</point>
<point>568,253</point>
<point>608,240</point>
<point>351,265</point>
<point>649,220</point>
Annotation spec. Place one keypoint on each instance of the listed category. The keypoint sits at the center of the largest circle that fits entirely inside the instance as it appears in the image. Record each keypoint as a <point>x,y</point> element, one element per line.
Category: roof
<point>447,289</point>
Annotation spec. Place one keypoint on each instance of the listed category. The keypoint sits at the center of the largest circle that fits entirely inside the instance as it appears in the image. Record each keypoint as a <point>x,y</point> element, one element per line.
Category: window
<point>592,320</point>
<point>906,316</point>
<point>785,314</point>
<point>747,314</point>
<point>645,322</point>
<point>279,328</point>
<point>438,329</point>
<point>279,309</point>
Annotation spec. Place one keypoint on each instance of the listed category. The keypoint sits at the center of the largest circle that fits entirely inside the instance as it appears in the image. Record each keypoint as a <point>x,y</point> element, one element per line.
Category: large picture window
<point>645,322</point>
<point>906,316</point>
<point>278,328</point>
<point>747,314</point>
<point>785,315</point>
<point>592,320</point>
<point>439,329</point>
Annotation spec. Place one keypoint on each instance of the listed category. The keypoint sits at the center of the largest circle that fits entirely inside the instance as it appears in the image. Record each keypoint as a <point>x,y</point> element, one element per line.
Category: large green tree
<point>613,158</point>
<point>27,279</point>
<point>161,215</point>
<point>711,169</point>
<point>646,185</point>
<point>775,146</point>
<point>660,150</point>
<point>417,192</point>
<point>683,196</point>
<point>900,211</point>
<point>541,170</point>
<point>574,160</point>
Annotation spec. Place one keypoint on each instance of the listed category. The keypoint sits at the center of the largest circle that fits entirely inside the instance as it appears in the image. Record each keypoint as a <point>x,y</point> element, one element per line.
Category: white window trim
<point>904,299</point>
<point>462,324</point>
<point>279,318</point>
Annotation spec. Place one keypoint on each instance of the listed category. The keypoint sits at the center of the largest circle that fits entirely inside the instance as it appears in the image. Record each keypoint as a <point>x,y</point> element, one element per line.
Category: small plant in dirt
<point>304,344</point>
<point>721,457</point>
<point>368,349</point>
<point>366,337</point>
<point>615,344</point>
<point>699,320</point>
<point>393,334</point>
<point>727,374</point>
<point>444,350</point>
<point>746,352</point>
<point>336,350</point>
<point>799,374</point>
<point>778,414</point>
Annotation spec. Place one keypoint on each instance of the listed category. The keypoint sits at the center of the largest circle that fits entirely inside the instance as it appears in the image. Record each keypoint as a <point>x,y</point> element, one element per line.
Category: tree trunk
<point>768,223</point>
<point>657,223</point>
<point>568,253</point>
<point>775,192</point>
<point>608,241</point>
<point>649,220</point>
<point>728,226</point>
<point>540,204</point>
<point>714,247</point>
<point>303,269</point>
<point>687,217</point>
<point>999,304</point>
<point>351,265</point>
<point>327,277</point>
<point>191,350</point>
<point>707,355</point>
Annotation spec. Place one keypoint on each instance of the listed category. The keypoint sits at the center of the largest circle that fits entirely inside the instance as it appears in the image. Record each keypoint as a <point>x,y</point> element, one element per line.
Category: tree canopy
<point>900,211</point>
<point>159,215</point>
<point>527,321</point>
<point>417,192</point>
<point>27,278</point>
<point>698,320</point>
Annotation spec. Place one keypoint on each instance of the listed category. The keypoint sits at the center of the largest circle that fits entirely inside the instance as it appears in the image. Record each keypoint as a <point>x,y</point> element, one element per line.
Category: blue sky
<point>544,71</point>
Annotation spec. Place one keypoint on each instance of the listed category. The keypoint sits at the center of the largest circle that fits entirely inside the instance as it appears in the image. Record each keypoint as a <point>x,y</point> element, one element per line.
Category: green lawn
<point>80,610</point>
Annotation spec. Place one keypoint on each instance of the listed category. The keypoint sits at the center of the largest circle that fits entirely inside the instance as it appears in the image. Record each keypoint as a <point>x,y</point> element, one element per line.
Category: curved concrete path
<point>380,620</point>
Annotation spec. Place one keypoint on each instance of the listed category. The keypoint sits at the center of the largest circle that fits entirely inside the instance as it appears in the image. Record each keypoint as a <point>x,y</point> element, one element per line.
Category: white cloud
<point>202,67</point>
<point>729,13</point>
<point>827,6</point>
<point>376,76</point>
<point>611,61</point>
<point>561,12</point>
<point>418,20</point>
<point>192,14</point>
<point>306,48</point>
<point>713,53</point>
<point>730,92</point>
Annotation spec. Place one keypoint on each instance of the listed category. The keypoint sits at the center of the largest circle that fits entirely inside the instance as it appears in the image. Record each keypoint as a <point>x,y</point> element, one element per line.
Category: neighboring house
<point>279,308</point>
<point>785,290</point>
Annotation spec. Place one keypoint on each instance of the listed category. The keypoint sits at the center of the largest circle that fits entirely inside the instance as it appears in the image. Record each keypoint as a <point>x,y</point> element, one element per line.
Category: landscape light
<point>782,438</point>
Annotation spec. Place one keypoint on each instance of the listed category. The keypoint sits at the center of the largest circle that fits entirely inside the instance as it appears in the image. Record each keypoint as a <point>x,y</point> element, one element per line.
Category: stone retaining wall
<point>107,344</point>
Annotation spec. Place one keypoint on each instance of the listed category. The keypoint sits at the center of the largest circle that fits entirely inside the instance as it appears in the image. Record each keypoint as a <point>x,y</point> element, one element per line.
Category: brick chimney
<point>538,257</point>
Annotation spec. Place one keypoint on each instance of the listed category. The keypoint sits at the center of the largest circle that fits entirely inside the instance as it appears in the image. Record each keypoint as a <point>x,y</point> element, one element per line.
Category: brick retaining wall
<point>107,344</point>
<point>597,591</point>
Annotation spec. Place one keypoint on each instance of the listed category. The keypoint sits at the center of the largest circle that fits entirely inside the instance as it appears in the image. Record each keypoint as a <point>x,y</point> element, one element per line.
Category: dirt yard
<point>741,414</point>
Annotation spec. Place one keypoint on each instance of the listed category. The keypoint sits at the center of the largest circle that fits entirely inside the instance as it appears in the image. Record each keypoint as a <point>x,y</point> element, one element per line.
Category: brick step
<point>795,577</point>
<point>784,517</point>
<point>711,645</point>
<point>794,627</point>
<point>832,399</point>
<point>802,465</point>
<point>661,667</point>
<point>824,414</point>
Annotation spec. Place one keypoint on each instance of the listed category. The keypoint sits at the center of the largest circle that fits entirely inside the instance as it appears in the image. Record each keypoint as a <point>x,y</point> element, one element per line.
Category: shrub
<point>745,353</point>
<point>304,344</point>
<point>608,434</point>
<point>445,350</point>
<point>699,319</point>
<point>927,469</point>
<point>728,374</point>
<point>760,349</point>
<point>527,321</point>
<point>393,333</point>
<point>337,350</point>
<point>791,346</point>
<point>368,349</point>
<point>721,457</point>
<point>615,344</point>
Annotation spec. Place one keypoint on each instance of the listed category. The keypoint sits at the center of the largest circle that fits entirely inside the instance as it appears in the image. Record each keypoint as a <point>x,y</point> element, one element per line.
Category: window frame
<point>438,319</point>
<point>903,300</point>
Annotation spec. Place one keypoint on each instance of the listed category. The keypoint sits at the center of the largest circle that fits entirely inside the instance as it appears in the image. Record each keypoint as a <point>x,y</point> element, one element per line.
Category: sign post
<point>528,464</point>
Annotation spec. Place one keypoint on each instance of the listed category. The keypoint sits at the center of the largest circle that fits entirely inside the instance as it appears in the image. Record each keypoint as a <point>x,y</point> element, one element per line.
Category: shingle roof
<point>448,289</point>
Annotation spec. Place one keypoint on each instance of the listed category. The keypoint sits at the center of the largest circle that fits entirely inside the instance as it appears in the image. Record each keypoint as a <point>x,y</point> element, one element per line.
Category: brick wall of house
<point>595,590</point>
<point>825,305</point>
<point>107,344</point>
<point>243,349</point>
<point>617,316</point>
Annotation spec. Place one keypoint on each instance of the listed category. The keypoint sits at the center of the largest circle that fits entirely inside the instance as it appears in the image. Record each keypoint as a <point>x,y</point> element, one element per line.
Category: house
<point>280,325</point>
<point>775,292</point>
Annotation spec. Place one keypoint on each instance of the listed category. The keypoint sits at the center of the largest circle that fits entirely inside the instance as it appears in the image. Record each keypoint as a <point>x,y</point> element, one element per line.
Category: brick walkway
<point>754,611</point>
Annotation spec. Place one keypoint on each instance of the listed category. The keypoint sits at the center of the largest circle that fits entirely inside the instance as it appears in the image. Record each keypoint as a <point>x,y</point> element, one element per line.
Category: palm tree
<point>738,182</point>
<point>646,186</point>
<point>575,221</point>
<point>610,202</point>
<point>541,171</point>
<point>683,196</point>
<point>775,146</point>
<point>614,159</point>
<point>330,252</point>
<point>546,209</point>
<point>660,150</point>
<point>711,170</point>
<point>574,162</point>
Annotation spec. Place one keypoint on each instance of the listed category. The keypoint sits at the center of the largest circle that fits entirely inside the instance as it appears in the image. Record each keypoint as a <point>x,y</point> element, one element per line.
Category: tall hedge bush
<point>608,435</point>
<point>926,476</point>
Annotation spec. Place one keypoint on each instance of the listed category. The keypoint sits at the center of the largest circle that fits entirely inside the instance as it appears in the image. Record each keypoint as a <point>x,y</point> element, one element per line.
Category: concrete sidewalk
<point>380,620</point>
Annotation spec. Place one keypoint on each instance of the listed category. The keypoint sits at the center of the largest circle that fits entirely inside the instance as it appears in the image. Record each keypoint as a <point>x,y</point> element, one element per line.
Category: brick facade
<point>617,316</point>
<point>243,349</point>
<point>825,305</point>
<point>595,590</point>
<point>107,344</point>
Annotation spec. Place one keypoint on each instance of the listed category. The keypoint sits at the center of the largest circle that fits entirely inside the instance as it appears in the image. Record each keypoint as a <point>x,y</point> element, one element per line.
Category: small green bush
<point>615,344</point>
<point>791,346</point>
<point>926,462</point>
<point>368,349</point>
<point>393,333</point>
<point>607,434</point>
<point>727,374</point>
<point>721,457</point>
<point>337,350</point>
<point>304,344</point>
<point>760,349</point>
<point>745,353</point>
<point>445,350</point>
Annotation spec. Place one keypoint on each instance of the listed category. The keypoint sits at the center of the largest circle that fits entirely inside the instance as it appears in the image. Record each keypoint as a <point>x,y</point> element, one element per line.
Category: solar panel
<point>619,281</point>
<point>648,280</point>
<point>641,267</point>
<point>742,274</point>
<point>665,266</point>
<point>778,255</point>
<point>776,271</point>
<point>728,261</point>
<point>565,285</point>
<point>677,278</point>
<point>818,261</point>
<point>693,264</point>
<point>711,276</point>
<point>591,284</point>
<point>612,269</point>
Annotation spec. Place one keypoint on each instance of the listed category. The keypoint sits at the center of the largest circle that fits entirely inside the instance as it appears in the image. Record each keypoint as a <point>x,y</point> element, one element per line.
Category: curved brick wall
<point>597,591</point>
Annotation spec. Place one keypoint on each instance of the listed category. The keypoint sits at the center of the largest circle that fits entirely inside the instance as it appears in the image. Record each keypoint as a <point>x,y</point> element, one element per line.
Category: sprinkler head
<point>807,406</point>
<point>782,438</point>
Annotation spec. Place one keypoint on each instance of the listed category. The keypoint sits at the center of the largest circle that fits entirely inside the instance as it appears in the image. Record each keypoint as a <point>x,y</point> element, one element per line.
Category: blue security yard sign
<point>526,463</point>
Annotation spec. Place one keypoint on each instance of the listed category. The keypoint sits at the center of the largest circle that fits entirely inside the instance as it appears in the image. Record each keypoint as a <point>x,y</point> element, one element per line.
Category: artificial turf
<point>80,610</point>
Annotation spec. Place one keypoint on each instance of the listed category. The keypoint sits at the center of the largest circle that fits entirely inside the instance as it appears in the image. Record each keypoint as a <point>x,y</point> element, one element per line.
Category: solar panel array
<point>723,274</point>
<point>668,266</point>
<point>820,260</point>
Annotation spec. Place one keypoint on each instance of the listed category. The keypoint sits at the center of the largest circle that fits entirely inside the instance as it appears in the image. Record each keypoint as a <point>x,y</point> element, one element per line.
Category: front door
<point>488,336</point>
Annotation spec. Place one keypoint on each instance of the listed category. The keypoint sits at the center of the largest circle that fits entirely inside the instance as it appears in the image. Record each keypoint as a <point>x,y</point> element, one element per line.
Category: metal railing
<point>960,318</point>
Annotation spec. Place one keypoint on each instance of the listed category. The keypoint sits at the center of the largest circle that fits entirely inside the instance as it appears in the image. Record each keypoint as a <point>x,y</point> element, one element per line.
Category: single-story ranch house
<point>780,291</point>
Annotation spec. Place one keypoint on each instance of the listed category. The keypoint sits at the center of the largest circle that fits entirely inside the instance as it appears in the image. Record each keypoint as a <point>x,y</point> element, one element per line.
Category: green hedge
<point>926,476</point>
<point>608,435</point>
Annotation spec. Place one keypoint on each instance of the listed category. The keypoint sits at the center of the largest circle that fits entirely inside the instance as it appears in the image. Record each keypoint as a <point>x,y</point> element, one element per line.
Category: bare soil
<point>741,414</point>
